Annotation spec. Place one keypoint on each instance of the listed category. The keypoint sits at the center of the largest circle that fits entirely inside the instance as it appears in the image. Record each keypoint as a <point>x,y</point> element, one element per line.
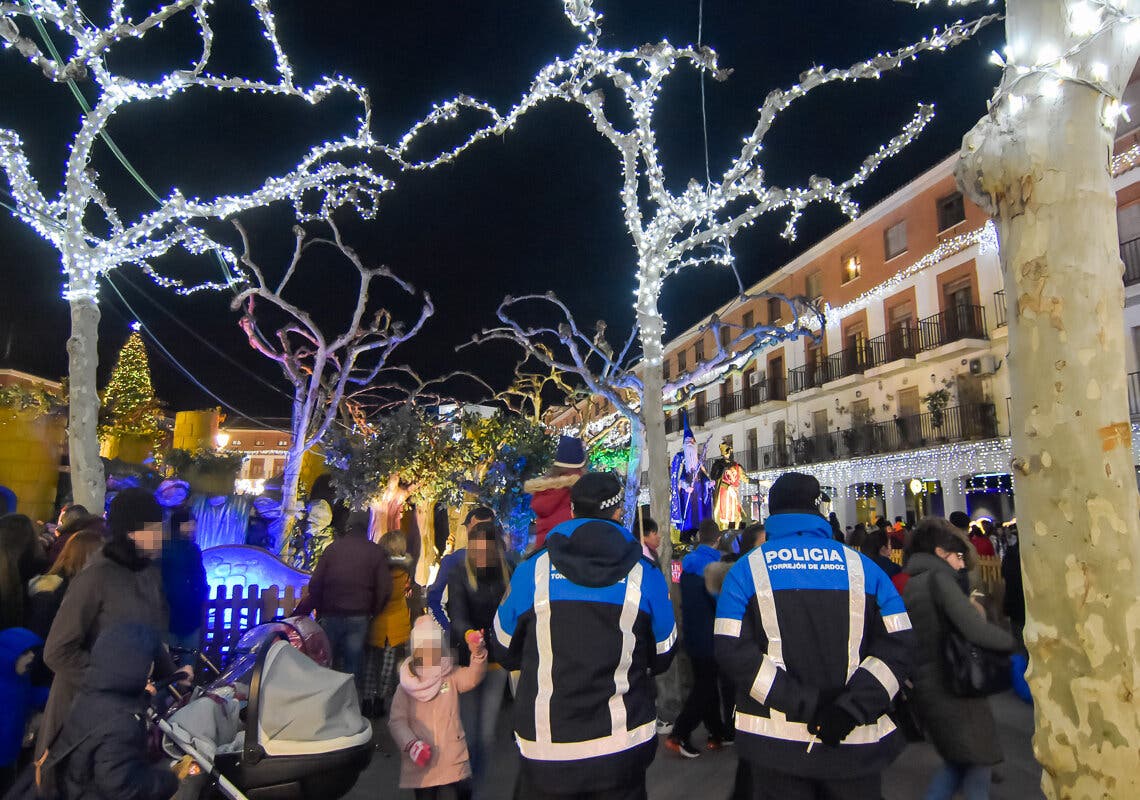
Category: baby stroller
<point>299,734</point>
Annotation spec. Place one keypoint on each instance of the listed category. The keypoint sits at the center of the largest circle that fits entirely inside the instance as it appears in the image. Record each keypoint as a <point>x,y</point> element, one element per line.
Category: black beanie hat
<point>130,510</point>
<point>597,490</point>
<point>795,493</point>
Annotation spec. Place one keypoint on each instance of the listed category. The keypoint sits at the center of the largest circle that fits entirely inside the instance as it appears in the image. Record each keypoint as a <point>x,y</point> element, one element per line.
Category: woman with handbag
<point>961,728</point>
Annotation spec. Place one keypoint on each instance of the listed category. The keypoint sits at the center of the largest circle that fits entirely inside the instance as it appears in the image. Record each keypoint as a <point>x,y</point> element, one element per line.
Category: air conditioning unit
<point>983,365</point>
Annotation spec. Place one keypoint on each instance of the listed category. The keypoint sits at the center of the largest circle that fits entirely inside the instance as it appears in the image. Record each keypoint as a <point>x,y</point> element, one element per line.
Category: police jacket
<point>801,617</point>
<point>588,622</point>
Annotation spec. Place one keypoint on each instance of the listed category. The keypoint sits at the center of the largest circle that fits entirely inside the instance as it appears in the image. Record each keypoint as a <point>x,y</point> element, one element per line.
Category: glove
<point>474,640</point>
<point>831,724</point>
<point>420,752</point>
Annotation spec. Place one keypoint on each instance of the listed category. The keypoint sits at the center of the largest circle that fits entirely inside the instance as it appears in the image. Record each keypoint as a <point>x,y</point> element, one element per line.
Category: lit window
<point>894,240</point>
<point>852,267</point>
<point>282,443</point>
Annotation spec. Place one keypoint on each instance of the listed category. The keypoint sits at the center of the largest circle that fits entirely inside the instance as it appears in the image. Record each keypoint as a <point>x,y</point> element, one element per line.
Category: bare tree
<point>1039,163</point>
<point>671,232</point>
<point>89,229</point>
<point>560,344</point>
<point>321,366</point>
<point>530,390</point>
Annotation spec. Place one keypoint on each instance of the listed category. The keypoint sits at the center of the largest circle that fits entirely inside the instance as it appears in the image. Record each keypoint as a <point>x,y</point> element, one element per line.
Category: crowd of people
<point>805,643</point>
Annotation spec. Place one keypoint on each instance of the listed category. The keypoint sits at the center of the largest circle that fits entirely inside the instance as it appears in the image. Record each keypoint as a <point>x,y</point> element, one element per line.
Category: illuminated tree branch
<point>322,367</point>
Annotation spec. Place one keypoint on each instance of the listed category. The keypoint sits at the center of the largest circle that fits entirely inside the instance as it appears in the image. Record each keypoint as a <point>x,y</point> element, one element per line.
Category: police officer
<point>817,642</point>
<point>588,622</point>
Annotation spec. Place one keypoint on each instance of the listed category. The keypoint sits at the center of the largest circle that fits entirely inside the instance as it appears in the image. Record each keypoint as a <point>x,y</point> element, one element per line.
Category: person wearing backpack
<point>101,751</point>
<point>962,729</point>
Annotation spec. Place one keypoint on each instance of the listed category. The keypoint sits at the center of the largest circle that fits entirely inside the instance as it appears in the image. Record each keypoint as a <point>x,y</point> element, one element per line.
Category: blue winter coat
<point>18,697</point>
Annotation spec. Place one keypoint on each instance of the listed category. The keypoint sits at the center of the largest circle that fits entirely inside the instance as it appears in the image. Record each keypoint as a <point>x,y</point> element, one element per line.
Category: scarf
<point>425,686</point>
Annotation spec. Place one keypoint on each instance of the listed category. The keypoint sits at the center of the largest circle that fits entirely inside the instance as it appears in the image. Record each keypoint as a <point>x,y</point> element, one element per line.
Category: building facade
<point>901,408</point>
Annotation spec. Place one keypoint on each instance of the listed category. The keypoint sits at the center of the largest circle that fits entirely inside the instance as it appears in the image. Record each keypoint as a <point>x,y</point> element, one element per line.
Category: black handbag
<point>970,670</point>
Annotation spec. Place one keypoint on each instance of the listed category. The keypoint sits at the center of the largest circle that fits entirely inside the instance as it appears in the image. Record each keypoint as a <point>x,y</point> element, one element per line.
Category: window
<point>725,336</point>
<point>951,211</point>
<point>681,366</point>
<point>665,370</point>
<point>894,240</point>
<point>775,310</point>
<point>814,285</point>
<point>699,351</point>
<point>749,320</point>
<point>852,267</point>
<point>282,443</point>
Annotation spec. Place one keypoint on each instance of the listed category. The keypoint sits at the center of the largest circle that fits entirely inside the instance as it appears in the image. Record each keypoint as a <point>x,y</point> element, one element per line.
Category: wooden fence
<point>234,610</point>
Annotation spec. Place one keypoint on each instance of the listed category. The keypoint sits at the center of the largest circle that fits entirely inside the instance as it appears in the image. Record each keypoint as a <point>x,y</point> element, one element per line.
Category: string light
<point>330,175</point>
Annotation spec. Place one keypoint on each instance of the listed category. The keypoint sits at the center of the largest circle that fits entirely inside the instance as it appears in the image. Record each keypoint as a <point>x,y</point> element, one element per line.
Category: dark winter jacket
<point>45,595</point>
<point>961,729</point>
<point>803,617</point>
<point>352,579</point>
<point>587,621</point>
<point>184,582</point>
<point>472,607</point>
<point>437,592</point>
<point>18,697</point>
<point>105,731</point>
<point>110,590</point>
<point>698,608</point>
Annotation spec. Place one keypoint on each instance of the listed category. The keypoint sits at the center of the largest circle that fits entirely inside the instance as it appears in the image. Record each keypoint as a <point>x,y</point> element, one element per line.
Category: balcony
<point>901,342</point>
<point>954,424</point>
<point>810,376</point>
<point>1134,394</point>
<point>1130,255</point>
<point>999,308</point>
<point>960,322</point>
<point>850,361</point>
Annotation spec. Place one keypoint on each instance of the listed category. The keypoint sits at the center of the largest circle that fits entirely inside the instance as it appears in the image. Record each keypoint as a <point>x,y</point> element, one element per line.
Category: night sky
<point>535,211</point>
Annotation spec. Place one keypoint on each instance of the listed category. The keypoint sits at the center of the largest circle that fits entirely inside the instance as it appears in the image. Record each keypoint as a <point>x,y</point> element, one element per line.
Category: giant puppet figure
<point>690,500</point>
<point>729,476</point>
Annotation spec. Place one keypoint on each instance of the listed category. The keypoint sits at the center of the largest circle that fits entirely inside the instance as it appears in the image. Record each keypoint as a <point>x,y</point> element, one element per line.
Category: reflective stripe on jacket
<point>801,616</point>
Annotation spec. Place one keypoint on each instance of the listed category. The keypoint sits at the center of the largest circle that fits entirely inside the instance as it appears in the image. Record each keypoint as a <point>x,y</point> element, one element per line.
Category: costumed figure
<point>729,476</point>
<point>550,494</point>
<point>689,483</point>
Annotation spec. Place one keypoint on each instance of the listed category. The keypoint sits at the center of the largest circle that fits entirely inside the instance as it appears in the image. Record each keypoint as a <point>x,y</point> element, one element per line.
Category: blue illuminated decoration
<point>243,565</point>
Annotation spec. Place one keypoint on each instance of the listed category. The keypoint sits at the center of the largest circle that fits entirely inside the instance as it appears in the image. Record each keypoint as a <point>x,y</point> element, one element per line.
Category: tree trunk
<point>656,451</point>
<point>88,483</point>
<point>1043,172</point>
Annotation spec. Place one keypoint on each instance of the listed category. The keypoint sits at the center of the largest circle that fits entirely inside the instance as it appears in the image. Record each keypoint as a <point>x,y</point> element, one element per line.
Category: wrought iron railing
<point>999,308</point>
<point>959,322</point>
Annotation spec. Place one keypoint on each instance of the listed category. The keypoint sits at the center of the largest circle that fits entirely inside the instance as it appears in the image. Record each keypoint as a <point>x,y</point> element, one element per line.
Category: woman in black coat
<point>962,729</point>
<point>474,592</point>
<point>121,584</point>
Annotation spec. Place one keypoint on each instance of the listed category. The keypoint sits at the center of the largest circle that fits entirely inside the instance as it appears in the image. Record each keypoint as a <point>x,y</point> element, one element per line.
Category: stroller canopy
<point>305,708</point>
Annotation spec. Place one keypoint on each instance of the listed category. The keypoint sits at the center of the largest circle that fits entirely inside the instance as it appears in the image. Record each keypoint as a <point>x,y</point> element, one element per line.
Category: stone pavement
<point>709,777</point>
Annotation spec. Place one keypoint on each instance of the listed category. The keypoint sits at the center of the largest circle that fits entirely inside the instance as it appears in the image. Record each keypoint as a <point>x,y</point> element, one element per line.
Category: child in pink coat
<point>424,720</point>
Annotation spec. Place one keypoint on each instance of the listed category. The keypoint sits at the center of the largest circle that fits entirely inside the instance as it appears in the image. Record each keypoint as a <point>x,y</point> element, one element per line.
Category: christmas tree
<point>130,408</point>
